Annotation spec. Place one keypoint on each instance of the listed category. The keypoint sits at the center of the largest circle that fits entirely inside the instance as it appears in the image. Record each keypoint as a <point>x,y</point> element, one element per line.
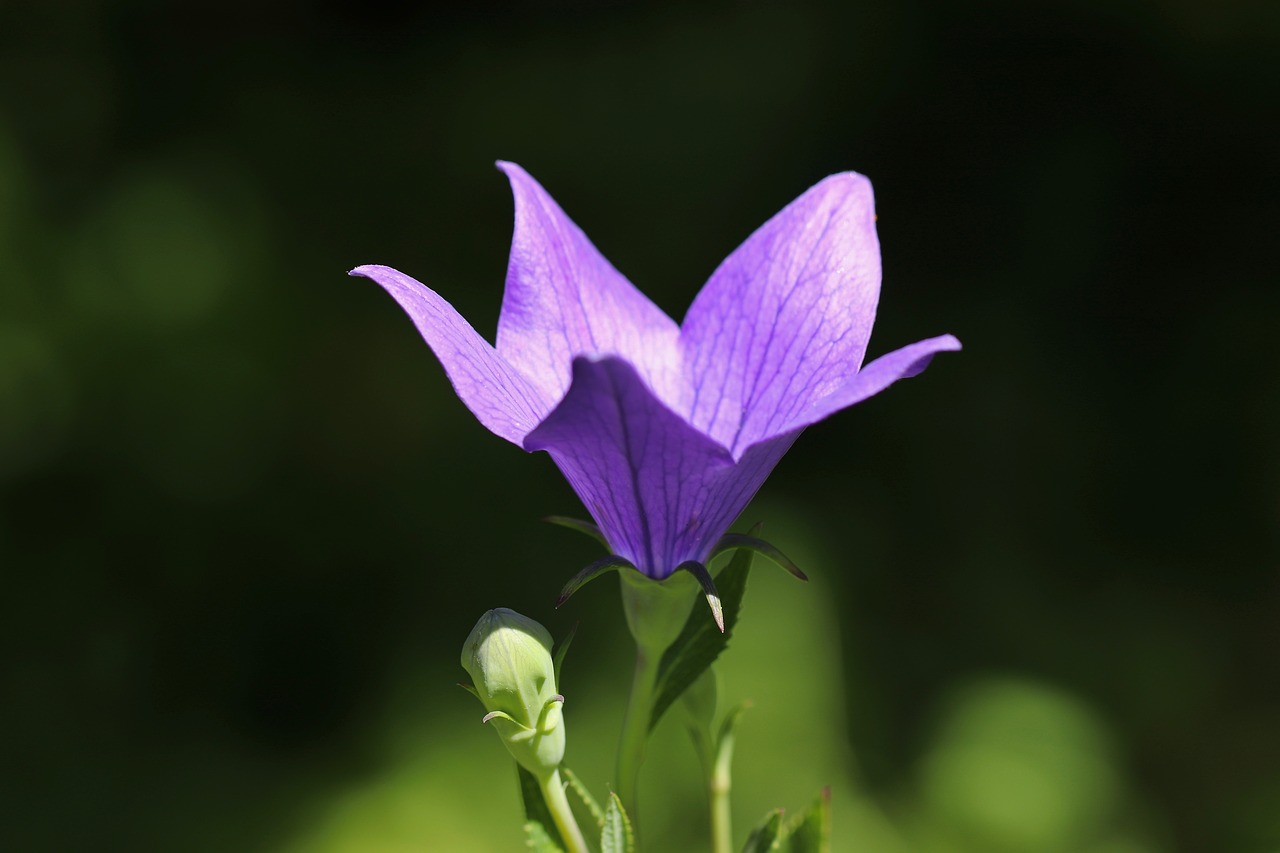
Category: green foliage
<point>701,642</point>
<point>536,838</point>
<point>766,836</point>
<point>574,784</point>
<point>616,836</point>
<point>807,832</point>
<point>557,659</point>
<point>540,830</point>
<point>810,831</point>
<point>725,735</point>
<point>584,527</point>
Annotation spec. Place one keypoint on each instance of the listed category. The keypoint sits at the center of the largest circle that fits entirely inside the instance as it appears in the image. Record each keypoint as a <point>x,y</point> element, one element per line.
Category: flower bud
<point>509,658</point>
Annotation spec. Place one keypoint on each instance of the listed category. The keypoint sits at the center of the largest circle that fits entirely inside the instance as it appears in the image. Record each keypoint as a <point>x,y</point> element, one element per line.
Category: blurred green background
<point>245,525</point>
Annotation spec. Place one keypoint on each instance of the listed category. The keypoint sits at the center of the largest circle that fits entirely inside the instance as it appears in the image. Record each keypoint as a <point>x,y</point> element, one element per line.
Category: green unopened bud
<point>509,658</point>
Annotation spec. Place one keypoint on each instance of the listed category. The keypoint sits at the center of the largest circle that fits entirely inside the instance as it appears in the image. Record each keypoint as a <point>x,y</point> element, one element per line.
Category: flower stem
<point>718,793</point>
<point>562,813</point>
<point>656,612</point>
<point>635,729</point>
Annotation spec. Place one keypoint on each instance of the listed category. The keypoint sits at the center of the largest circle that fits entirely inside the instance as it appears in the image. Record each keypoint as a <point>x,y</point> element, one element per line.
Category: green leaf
<point>730,721</point>
<point>537,840</point>
<point>616,835</point>
<point>766,836</point>
<point>540,830</point>
<point>584,796</point>
<point>810,831</point>
<point>584,527</point>
<point>700,641</point>
<point>557,660</point>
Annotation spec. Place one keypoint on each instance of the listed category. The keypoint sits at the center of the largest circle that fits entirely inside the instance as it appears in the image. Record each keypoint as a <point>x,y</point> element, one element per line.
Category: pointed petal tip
<point>949,343</point>
<point>942,343</point>
<point>513,171</point>
<point>377,272</point>
<point>848,178</point>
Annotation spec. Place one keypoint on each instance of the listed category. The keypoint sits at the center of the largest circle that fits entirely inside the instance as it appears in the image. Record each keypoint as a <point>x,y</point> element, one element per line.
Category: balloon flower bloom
<point>666,431</point>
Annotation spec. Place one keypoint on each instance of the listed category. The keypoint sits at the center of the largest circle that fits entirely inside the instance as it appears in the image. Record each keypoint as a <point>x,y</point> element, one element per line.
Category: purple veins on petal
<point>564,299</point>
<point>786,317</point>
<point>641,469</point>
<point>666,432</point>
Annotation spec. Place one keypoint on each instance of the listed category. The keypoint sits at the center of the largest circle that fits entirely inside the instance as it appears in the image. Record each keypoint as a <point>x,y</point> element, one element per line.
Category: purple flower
<point>666,432</point>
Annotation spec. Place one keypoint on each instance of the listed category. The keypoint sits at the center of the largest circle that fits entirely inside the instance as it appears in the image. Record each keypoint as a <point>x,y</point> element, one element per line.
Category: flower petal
<point>564,299</point>
<point>661,491</point>
<point>875,377</point>
<point>786,317</point>
<point>502,399</point>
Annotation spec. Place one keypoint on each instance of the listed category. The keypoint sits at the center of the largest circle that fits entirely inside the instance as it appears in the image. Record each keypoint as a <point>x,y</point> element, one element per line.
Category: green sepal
<point>590,573</point>
<point>540,831</point>
<point>733,541</point>
<point>574,784</point>
<point>584,527</point>
<point>810,831</point>
<point>700,642</point>
<point>708,585</point>
<point>766,836</point>
<point>470,688</point>
<point>557,658</point>
<point>503,715</point>
<point>616,836</point>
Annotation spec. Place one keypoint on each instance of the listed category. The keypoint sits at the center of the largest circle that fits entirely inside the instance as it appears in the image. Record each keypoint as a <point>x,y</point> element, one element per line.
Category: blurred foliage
<point>245,525</point>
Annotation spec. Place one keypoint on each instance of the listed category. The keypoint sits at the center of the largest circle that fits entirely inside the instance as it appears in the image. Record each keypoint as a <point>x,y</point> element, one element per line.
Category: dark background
<point>240,507</point>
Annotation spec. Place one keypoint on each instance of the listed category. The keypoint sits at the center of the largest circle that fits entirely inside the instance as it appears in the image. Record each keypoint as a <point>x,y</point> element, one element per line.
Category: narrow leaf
<point>700,641</point>
<point>540,828</point>
<point>590,573</point>
<point>616,836</point>
<point>810,831</point>
<point>731,541</point>
<point>584,796</point>
<point>730,722</point>
<point>558,658</point>
<point>583,527</point>
<point>766,836</point>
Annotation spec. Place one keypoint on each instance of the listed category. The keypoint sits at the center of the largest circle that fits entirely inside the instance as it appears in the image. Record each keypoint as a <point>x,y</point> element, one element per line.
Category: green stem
<point>718,793</point>
<point>562,813</point>
<point>635,729</point>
